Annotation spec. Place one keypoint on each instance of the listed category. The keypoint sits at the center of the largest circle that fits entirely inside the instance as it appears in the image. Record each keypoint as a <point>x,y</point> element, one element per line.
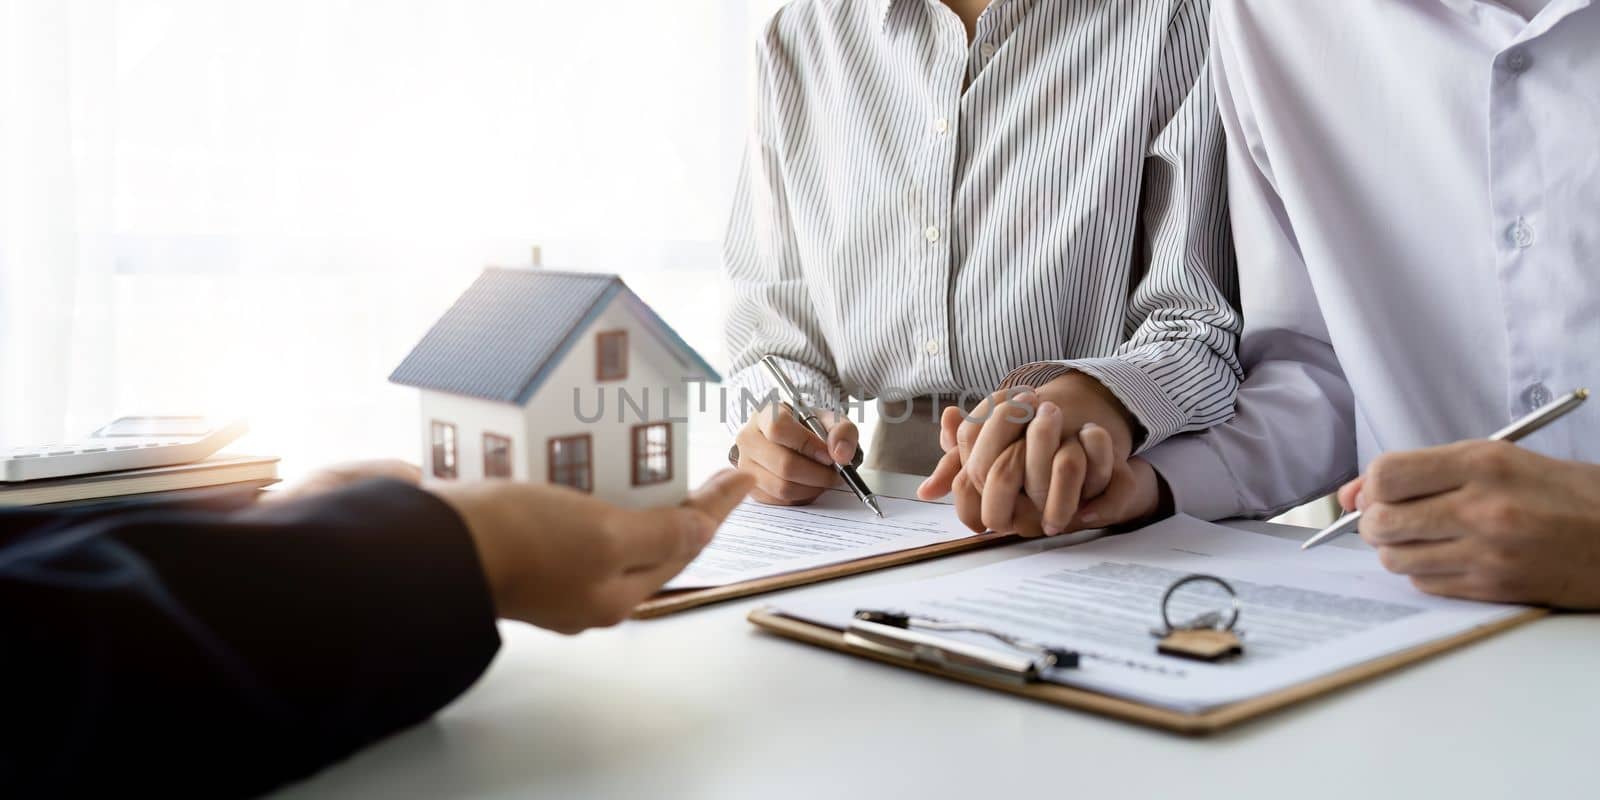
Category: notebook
<point>220,470</point>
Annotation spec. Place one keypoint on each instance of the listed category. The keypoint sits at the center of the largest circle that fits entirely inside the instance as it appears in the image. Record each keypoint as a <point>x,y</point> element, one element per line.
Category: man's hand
<point>1485,521</point>
<point>790,465</point>
<point>562,560</point>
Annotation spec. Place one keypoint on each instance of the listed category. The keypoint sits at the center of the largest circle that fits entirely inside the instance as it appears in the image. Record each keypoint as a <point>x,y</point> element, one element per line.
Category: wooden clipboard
<point>1198,724</point>
<point>682,600</point>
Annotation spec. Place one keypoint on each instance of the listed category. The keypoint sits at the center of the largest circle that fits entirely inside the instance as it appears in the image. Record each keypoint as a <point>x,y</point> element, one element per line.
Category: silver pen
<point>808,418</point>
<point>1535,420</point>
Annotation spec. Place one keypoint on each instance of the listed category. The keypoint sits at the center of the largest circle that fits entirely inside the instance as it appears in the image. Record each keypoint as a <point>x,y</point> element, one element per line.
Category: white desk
<point>700,705</point>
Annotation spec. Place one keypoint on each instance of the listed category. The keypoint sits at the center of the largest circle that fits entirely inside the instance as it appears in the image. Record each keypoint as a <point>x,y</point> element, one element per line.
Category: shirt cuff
<point>1139,393</point>
<point>1201,483</point>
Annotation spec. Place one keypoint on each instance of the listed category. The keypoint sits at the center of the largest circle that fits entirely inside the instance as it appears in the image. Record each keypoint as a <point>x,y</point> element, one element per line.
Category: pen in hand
<point>808,418</point>
<point>1516,431</point>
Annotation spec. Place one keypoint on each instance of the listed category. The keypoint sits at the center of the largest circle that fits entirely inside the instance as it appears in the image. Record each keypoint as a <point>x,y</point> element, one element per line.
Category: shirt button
<point>932,346</point>
<point>1518,61</point>
<point>941,125</point>
<point>1520,234</point>
<point>1536,396</point>
<point>987,50</point>
<point>931,233</point>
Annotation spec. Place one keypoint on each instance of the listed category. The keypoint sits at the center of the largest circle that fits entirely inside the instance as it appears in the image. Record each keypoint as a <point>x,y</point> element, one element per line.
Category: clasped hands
<point>1044,461</point>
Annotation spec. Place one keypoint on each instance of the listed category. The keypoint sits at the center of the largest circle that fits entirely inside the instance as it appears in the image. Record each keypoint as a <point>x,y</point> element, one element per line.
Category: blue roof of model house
<point>511,328</point>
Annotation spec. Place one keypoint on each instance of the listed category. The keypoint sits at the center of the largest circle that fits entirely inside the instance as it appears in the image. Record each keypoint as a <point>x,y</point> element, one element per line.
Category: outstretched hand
<point>566,561</point>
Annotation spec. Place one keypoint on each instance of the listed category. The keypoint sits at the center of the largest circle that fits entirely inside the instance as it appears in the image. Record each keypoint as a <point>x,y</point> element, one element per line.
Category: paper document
<point>1305,613</point>
<point>759,541</point>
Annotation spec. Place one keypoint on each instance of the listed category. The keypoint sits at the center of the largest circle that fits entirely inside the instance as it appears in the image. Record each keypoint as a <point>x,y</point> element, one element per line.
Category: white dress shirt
<point>922,214</point>
<point>1415,188</point>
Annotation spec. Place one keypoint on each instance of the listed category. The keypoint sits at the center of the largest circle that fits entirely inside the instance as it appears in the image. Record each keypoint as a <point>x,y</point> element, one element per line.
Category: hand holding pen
<point>1526,426</point>
<point>793,464</point>
<point>1485,519</point>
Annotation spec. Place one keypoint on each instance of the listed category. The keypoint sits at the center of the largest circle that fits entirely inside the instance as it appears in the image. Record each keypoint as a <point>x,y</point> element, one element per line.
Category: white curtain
<point>256,206</point>
<point>56,77</point>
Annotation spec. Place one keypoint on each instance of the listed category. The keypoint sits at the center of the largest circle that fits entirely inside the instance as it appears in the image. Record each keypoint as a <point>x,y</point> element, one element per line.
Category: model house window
<point>611,355</point>
<point>571,462</point>
<point>444,450</point>
<point>496,456</point>
<point>652,453</point>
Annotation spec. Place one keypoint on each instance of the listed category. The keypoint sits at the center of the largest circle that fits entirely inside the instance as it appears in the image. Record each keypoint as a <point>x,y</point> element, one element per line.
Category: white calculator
<point>128,443</point>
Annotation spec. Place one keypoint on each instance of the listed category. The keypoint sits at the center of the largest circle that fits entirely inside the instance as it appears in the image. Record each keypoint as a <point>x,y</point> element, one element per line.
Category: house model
<point>553,376</point>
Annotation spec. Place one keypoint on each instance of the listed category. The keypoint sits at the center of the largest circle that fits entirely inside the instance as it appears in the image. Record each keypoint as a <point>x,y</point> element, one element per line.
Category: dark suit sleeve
<point>203,650</point>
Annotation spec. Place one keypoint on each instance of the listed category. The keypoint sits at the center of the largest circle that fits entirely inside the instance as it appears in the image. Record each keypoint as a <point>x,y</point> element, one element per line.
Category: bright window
<point>444,451</point>
<point>652,453</point>
<point>257,207</point>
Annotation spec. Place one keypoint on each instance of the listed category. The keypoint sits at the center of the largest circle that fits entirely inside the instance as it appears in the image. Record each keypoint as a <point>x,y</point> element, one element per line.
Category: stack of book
<point>235,471</point>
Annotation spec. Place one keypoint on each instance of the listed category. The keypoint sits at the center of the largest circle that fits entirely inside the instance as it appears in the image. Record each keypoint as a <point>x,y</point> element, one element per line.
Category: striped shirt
<point>920,214</point>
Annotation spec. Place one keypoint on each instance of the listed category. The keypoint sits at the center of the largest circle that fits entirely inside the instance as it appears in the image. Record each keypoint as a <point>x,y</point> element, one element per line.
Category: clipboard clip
<point>914,638</point>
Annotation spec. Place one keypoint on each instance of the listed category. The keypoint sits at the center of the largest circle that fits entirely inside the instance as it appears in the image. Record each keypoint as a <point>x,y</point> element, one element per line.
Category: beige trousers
<point>907,435</point>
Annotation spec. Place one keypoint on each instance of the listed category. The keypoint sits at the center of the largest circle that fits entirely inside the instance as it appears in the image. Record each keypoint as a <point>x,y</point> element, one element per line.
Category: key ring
<point>1233,619</point>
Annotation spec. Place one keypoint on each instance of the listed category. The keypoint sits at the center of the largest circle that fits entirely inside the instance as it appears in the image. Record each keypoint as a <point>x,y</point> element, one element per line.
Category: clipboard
<point>1196,724</point>
<point>684,599</point>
